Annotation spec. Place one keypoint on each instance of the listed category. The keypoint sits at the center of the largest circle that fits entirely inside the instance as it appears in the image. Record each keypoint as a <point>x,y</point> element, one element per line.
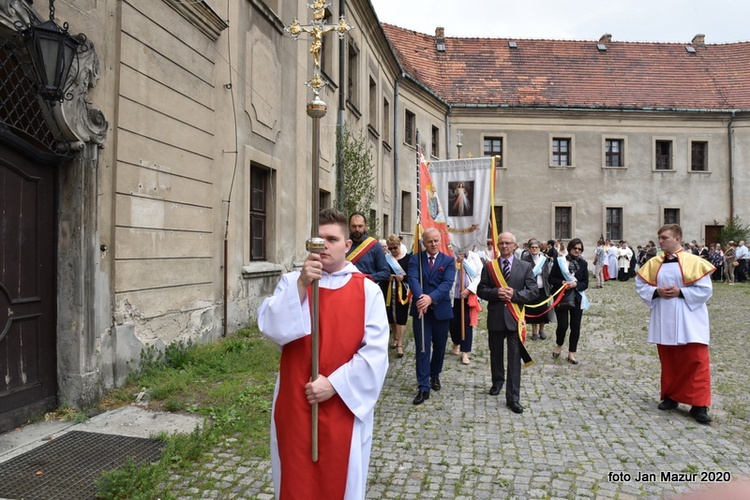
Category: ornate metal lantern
<point>52,51</point>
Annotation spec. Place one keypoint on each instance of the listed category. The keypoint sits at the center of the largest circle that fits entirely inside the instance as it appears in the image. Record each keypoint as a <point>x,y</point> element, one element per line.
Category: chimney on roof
<point>699,40</point>
<point>440,39</point>
<point>605,38</point>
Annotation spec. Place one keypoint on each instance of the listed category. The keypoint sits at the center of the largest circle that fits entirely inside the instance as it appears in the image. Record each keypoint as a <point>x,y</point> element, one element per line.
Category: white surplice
<point>283,319</point>
<point>677,321</point>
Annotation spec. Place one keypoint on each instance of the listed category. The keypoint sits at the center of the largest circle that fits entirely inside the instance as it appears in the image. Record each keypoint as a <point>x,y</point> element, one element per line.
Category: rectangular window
<point>386,229</point>
<point>409,128</point>
<point>258,198</point>
<point>498,220</point>
<point>614,223</point>
<point>563,223</point>
<point>561,154</point>
<point>671,216</point>
<point>373,105</point>
<point>493,146</point>
<point>326,50</point>
<point>386,121</point>
<point>352,81</point>
<point>699,156</point>
<point>406,212</point>
<point>372,222</point>
<point>613,150</point>
<point>663,152</point>
<point>435,142</point>
<point>324,199</point>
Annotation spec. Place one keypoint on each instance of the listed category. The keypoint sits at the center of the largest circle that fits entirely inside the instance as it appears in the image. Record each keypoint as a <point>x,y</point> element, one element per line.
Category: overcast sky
<point>721,21</point>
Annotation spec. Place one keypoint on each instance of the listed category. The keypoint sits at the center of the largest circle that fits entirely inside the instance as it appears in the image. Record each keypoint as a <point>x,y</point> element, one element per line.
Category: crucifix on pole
<point>459,134</point>
<point>316,109</point>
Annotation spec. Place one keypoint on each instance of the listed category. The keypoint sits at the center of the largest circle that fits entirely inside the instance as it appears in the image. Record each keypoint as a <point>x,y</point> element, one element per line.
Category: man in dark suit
<point>521,289</point>
<point>431,309</point>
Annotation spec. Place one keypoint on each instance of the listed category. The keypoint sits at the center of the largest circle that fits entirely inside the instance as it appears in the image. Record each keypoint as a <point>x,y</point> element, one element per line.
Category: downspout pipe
<point>341,119</point>
<point>396,114</point>
<point>447,133</point>
<point>730,145</point>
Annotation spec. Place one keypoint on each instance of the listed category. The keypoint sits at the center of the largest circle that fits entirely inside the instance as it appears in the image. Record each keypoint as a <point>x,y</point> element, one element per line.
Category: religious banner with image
<point>464,185</point>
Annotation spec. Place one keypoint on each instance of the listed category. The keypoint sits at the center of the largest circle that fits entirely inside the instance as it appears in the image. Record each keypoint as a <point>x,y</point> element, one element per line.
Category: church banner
<point>463,185</point>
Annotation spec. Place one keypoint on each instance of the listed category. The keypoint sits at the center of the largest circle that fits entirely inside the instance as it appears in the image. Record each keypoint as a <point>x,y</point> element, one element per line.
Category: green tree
<point>356,179</point>
<point>734,230</point>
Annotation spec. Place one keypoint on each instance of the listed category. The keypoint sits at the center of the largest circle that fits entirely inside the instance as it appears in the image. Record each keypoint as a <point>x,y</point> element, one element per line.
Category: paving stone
<point>581,422</point>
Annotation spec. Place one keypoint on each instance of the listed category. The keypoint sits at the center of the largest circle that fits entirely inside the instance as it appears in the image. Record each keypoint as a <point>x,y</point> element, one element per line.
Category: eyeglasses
<point>392,248</point>
<point>577,248</point>
<point>505,243</point>
<point>534,246</point>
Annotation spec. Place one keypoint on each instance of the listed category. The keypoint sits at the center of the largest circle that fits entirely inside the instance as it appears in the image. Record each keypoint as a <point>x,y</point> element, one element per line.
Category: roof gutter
<point>596,108</point>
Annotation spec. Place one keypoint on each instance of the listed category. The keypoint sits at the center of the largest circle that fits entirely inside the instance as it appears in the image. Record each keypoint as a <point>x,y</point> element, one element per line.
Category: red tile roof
<point>557,73</point>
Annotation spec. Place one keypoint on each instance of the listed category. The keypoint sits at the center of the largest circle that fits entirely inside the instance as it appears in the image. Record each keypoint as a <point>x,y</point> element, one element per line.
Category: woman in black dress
<point>398,308</point>
<point>578,270</point>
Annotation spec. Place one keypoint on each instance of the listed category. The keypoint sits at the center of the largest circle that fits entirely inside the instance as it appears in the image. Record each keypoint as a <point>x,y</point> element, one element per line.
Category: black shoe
<point>572,361</point>
<point>534,336</point>
<point>542,335</point>
<point>435,384</point>
<point>700,414</point>
<point>668,404</point>
<point>494,390</point>
<point>515,407</point>
<point>421,397</point>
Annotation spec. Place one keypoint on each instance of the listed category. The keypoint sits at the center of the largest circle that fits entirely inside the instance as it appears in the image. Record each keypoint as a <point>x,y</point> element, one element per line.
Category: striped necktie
<point>506,268</point>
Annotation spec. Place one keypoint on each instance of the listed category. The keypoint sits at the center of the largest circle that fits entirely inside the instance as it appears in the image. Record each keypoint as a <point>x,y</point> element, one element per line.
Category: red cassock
<point>686,373</point>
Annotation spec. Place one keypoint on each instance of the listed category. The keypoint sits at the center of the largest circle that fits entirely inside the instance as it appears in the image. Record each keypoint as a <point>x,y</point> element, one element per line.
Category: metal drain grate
<point>66,467</point>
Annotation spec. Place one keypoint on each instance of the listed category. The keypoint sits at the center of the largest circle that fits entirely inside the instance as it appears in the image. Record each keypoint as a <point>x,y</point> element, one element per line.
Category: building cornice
<point>200,15</point>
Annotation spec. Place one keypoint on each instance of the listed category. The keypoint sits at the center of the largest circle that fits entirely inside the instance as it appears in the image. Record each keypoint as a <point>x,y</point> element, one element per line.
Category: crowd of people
<point>376,285</point>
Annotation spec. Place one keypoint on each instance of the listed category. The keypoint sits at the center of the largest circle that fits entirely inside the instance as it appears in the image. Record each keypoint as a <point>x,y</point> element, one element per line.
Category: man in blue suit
<point>431,309</point>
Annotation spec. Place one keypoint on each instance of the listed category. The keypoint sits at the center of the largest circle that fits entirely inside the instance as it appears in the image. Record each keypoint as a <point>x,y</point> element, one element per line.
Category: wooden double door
<point>28,288</point>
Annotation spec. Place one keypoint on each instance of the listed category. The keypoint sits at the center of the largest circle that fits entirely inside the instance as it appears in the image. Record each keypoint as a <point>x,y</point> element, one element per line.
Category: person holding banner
<point>430,275</point>
<point>398,295</point>
<point>468,269</point>
<point>353,357</point>
<point>541,267</point>
<point>574,271</point>
<point>507,284</point>
<point>366,253</point>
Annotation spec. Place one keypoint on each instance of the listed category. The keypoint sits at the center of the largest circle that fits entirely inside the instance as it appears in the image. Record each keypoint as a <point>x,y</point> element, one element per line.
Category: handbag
<point>568,301</point>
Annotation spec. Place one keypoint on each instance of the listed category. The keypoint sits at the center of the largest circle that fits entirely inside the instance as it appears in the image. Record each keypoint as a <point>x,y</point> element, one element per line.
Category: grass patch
<point>229,382</point>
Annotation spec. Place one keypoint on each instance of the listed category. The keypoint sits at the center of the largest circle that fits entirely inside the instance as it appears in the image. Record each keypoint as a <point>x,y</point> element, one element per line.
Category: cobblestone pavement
<point>588,431</point>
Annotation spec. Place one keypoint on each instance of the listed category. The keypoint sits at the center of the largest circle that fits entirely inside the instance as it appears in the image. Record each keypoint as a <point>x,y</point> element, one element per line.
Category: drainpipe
<point>730,140</point>
<point>341,120</point>
<point>448,134</point>
<point>396,197</point>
